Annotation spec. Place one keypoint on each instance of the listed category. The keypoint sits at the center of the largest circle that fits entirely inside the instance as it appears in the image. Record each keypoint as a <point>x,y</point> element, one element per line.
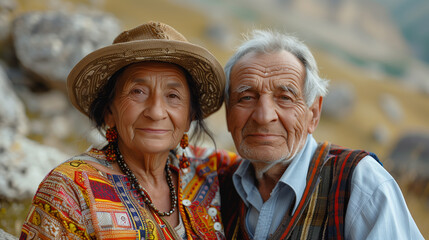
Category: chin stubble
<point>267,164</point>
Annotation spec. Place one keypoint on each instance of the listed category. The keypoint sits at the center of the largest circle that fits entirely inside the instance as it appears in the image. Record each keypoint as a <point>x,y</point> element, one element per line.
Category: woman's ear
<point>192,118</point>
<point>316,110</point>
<point>109,119</point>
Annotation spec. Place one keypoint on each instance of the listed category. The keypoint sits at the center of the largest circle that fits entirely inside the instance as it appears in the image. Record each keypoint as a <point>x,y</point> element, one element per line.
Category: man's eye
<point>285,97</point>
<point>246,98</point>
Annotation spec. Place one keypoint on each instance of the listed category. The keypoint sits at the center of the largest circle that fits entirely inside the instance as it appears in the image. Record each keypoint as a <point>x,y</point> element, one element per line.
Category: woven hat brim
<point>94,70</point>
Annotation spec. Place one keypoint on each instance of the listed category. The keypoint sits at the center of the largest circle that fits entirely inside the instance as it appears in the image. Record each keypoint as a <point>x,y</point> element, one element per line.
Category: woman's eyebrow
<point>139,80</point>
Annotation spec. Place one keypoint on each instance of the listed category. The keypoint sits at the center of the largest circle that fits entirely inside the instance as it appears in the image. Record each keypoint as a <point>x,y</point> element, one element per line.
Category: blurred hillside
<point>372,51</point>
<point>411,17</point>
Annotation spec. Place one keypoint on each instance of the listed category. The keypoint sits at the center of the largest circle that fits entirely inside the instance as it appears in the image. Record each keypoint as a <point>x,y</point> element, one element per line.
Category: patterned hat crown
<point>151,41</point>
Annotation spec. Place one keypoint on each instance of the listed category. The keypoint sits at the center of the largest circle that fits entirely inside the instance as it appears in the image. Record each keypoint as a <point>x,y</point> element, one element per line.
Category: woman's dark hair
<point>100,106</point>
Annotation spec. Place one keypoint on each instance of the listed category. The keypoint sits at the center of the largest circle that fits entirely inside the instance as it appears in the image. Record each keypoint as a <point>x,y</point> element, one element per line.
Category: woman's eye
<point>138,94</point>
<point>136,91</point>
<point>173,95</point>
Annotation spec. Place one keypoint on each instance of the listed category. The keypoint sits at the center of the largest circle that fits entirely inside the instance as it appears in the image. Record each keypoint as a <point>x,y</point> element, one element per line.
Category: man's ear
<point>316,110</point>
<point>227,116</point>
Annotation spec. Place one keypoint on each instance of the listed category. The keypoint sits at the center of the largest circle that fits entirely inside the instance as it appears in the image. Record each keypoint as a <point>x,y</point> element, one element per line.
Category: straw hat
<point>149,42</point>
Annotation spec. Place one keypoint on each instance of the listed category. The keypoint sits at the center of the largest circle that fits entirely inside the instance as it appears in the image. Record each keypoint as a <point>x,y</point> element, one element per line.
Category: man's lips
<point>265,136</point>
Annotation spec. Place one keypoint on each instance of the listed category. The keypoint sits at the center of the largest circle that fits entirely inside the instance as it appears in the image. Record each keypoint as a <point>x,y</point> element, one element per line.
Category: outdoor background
<point>374,52</point>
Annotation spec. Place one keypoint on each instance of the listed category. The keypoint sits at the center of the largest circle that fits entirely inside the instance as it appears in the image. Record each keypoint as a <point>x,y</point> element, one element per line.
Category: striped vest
<point>320,213</point>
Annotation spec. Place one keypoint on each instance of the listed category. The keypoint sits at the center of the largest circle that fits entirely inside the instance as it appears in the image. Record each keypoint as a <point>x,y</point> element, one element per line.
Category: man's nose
<point>265,111</point>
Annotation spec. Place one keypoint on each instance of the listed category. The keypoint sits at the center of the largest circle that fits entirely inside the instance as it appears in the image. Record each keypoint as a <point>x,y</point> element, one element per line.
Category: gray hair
<point>263,41</point>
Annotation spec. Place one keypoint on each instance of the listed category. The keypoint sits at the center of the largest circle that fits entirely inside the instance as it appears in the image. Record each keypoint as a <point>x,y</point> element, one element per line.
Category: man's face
<point>266,113</point>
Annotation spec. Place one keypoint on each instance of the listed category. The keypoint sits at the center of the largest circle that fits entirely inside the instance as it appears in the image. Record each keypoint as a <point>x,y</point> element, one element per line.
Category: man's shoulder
<point>343,154</point>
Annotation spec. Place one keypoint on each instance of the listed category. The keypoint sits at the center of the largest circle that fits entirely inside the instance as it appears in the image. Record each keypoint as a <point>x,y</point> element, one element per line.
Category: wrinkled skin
<point>266,113</point>
<point>150,109</point>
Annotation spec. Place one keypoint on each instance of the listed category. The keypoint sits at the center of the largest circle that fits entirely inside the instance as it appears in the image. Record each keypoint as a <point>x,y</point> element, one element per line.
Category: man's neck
<point>269,180</point>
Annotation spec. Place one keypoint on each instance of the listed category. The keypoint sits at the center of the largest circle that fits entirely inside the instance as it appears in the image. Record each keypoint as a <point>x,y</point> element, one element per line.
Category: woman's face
<point>151,107</point>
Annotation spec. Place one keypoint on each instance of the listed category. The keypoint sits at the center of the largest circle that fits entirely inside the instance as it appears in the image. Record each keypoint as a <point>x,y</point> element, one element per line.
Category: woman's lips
<point>153,130</point>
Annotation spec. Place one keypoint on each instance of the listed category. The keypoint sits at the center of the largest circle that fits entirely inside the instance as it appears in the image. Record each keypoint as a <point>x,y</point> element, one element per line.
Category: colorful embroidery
<point>77,201</point>
<point>103,191</point>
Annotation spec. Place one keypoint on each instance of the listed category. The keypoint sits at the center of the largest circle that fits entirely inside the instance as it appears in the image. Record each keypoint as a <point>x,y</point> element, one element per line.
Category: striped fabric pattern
<point>321,211</point>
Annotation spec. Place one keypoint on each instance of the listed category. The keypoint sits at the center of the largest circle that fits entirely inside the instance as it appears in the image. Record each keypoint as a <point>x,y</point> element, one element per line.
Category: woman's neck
<point>147,167</point>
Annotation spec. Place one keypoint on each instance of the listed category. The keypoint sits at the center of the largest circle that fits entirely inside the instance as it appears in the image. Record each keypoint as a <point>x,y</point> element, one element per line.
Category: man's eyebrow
<point>289,89</point>
<point>242,88</point>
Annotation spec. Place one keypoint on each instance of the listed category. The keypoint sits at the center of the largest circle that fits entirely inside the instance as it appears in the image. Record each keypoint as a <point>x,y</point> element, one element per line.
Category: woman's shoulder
<point>81,163</point>
<point>212,154</point>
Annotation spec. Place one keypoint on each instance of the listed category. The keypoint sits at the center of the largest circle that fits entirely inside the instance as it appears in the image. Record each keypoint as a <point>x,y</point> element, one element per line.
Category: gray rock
<point>12,111</point>
<point>24,165</point>
<point>49,44</point>
<point>8,5</point>
<point>220,34</point>
<point>5,20</point>
<point>340,101</point>
<point>6,236</point>
<point>45,104</point>
<point>409,160</point>
<point>7,8</point>
<point>391,108</point>
<point>381,134</point>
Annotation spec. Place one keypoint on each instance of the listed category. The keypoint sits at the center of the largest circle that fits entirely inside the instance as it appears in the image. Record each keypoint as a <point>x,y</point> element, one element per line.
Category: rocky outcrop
<point>49,44</point>
<point>340,101</point>
<point>6,9</point>
<point>23,162</point>
<point>410,162</point>
<point>6,236</point>
<point>391,108</point>
<point>24,165</point>
<point>12,111</point>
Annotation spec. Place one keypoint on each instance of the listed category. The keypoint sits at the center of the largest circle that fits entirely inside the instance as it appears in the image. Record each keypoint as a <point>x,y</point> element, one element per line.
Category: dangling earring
<point>184,142</point>
<point>112,138</point>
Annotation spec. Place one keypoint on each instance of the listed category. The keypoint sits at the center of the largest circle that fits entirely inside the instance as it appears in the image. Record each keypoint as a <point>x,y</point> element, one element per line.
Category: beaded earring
<point>112,138</point>
<point>184,142</point>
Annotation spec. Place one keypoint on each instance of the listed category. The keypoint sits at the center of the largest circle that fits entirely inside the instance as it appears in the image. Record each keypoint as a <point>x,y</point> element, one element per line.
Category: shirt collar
<point>295,175</point>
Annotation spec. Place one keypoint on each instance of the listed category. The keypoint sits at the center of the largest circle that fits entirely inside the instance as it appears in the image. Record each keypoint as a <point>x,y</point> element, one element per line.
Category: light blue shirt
<point>376,208</point>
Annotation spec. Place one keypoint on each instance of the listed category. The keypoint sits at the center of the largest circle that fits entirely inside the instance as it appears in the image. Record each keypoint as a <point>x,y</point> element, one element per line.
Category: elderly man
<point>288,186</point>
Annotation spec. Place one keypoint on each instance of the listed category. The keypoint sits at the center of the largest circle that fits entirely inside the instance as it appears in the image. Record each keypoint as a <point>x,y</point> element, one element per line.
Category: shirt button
<point>186,202</point>
<point>217,226</point>
<point>212,211</point>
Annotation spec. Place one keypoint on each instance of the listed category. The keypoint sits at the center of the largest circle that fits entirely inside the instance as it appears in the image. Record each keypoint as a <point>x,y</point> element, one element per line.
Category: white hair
<point>265,41</point>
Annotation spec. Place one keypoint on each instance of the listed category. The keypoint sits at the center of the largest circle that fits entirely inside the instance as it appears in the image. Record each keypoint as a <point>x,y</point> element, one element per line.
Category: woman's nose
<point>155,109</point>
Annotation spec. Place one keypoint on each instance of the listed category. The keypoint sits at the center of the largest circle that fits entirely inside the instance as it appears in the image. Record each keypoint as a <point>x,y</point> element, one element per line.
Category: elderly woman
<point>145,89</point>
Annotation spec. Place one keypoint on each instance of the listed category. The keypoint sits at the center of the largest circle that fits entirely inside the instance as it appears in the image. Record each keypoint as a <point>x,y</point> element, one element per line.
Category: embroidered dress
<point>78,201</point>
